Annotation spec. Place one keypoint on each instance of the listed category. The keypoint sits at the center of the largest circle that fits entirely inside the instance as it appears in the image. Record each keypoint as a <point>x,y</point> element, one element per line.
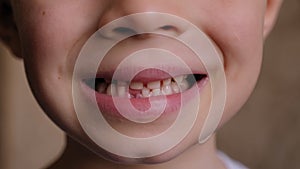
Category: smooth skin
<point>48,36</point>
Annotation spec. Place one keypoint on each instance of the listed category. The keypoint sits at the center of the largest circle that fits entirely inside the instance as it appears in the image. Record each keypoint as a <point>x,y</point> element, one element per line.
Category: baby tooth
<point>121,83</point>
<point>136,86</point>
<point>122,91</point>
<point>175,87</point>
<point>166,82</point>
<point>184,85</point>
<point>156,92</point>
<point>138,96</point>
<point>146,92</point>
<point>111,90</point>
<point>130,96</point>
<point>154,85</point>
<point>178,79</point>
<point>101,87</point>
<point>166,90</point>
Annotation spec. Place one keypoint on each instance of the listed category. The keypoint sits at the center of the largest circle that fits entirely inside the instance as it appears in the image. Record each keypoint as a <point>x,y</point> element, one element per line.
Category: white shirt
<point>229,162</point>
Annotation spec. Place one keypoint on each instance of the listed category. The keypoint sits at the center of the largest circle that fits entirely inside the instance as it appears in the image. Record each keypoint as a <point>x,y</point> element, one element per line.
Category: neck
<point>196,157</point>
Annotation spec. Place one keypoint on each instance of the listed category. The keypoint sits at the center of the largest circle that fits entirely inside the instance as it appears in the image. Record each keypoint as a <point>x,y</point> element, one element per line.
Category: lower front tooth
<point>138,96</point>
<point>184,85</point>
<point>136,85</point>
<point>156,92</point>
<point>175,87</point>
<point>130,96</point>
<point>154,85</point>
<point>166,90</point>
<point>146,92</point>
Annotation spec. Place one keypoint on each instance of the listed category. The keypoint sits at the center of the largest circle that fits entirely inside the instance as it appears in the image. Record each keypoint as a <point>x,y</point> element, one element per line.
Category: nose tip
<point>145,23</point>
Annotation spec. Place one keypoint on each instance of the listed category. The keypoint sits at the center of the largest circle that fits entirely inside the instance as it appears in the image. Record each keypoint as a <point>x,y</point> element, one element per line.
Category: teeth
<point>146,92</point>
<point>111,90</point>
<point>175,87</point>
<point>184,85</point>
<point>122,83</point>
<point>166,90</point>
<point>179,79</point>
<point>154,85</point>
<point>156,92</point>
<point>101,87</point>
<point>122,90</point>
<point>156,88</point>
<point>139,95</point>
<point>167,82</point>
<point>130,95</point>
<point>136,85</point>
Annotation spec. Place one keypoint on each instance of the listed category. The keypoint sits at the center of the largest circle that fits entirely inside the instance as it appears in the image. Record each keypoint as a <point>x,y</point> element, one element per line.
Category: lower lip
<point>174,101</point>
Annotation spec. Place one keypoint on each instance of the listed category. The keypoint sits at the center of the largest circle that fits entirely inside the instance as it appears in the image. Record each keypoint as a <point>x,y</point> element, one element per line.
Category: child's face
<point>52,34</point>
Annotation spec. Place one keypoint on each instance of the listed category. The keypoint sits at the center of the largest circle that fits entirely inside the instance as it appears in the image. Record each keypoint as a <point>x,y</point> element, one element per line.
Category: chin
<point>140,161</point>
<point>154,160</point>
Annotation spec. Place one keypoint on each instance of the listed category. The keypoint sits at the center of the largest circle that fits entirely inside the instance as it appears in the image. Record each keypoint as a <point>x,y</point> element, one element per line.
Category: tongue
<point>142,105</point>
<point>150,75</point>
<point>134,92</point>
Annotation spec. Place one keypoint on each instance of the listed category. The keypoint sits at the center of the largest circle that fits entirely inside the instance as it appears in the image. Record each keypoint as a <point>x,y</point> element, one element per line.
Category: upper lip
<point>138,74</point>
<point>160,69</point>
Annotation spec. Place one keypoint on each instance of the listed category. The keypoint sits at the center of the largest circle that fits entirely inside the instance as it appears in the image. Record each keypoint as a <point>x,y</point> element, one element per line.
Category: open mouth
<point>155,85</point>
<point>144,89</point>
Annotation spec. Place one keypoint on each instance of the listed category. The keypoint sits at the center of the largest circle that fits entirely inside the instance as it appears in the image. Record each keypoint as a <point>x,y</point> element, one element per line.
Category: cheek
<point>51,38</point>
<point>238,31</point>
<point>50,31</point>
<point>242,47</point>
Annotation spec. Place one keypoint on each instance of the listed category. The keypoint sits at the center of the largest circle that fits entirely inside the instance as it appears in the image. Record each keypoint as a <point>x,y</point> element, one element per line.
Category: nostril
<point>168,28</point>
<point>162,30</point>
<point>125,31</point>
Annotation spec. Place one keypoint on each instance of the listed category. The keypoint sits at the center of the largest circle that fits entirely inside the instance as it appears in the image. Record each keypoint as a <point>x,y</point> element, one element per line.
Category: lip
<point>173,102</point>
<point>145,75</point>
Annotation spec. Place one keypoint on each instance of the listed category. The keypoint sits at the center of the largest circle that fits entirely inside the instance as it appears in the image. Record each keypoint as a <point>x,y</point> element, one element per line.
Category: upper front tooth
<point>136,85</point>
<point>167,82</point>
<point>122,91</point>
<point>154,85</point>
<point>111,90</point>
<point>178,79</point>
<point>156,92</point>
<point>121,83</point>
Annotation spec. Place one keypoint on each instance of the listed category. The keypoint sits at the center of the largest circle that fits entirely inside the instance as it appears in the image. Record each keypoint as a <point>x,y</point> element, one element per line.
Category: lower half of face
<point>53,34</point>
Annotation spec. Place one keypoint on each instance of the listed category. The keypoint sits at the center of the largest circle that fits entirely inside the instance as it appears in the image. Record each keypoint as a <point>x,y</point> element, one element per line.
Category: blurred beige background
<point>265,135</point>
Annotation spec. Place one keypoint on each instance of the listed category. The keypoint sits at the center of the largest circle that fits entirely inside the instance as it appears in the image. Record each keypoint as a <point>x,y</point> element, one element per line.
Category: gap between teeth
<point>145,90</point>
